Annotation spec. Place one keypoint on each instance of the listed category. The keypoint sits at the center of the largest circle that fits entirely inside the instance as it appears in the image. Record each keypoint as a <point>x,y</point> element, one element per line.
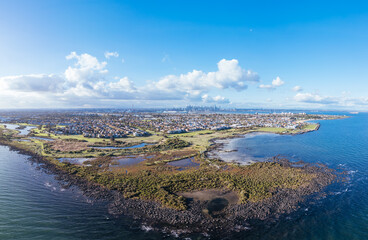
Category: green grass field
<point>309,127</point>
<point>272,130</point>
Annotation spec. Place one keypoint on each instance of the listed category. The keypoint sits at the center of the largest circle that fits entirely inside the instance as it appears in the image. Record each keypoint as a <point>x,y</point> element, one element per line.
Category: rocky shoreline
<point>233,217</point>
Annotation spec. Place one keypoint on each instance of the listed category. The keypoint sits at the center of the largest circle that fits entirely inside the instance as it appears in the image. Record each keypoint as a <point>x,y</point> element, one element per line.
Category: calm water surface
<point>34,206</point>
<point>23,131</point>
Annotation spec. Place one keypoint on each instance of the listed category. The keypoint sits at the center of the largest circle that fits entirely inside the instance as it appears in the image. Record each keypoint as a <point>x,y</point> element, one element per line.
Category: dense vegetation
<point>172,143</point>
<point>252,183</point>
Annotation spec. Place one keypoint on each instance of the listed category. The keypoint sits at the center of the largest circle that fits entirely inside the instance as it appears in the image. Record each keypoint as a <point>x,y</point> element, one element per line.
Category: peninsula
<point>155,167</point>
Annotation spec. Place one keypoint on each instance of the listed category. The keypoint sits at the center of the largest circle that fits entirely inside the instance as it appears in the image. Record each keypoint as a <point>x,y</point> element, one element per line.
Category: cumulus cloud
<point>337,101</point>
<point>85,77</point>
<point>363,101</point>
<point>192,85</point>
<point>108,55</point>
<point>297,88</point>
<point>124,84</point>
<point>264,86</point>
<point>86,81</point>
<point>86,61</point>
<point>228,75</point>
<point>314,98</point>
<point>277,82</point>
<point>32,83</point>
<point>217,99</point>
<point>86,69</point>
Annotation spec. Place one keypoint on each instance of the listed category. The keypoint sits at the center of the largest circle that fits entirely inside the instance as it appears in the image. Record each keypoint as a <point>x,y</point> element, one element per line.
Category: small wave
<point>340,192</point>
<point>146,228</point>
<point>205,234</point>
<point>174,233</point>
<point>47,184</point>
<point>241,228</point>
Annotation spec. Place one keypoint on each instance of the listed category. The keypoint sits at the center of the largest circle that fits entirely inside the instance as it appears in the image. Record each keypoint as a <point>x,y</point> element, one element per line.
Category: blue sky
<point>249,54</point>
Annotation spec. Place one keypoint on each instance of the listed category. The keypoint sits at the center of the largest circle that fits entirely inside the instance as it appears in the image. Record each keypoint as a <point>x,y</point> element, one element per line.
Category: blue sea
<point>35,206</point>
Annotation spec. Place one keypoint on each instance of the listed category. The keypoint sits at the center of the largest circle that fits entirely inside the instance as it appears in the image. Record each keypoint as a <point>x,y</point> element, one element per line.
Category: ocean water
<point>34,206</point>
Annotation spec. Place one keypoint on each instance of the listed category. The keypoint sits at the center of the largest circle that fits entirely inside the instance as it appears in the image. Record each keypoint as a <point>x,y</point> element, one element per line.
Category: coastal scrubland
<point>152,178</point>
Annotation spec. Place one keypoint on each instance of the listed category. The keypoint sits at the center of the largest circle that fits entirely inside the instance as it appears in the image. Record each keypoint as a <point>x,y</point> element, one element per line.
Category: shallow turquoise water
<point>34,206</point>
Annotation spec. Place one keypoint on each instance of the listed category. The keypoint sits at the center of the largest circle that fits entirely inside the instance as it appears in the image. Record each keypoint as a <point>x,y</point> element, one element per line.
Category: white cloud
<point>266,86</point>
<point>337,102</point>
<point>124,84</point>
<point>85,78</point>
<point>363,101</point>
<point>314,98</point>
<point>217,99</point>
<point>86,81</point>
<point>229,75</point>
<point>86,61</point>
<point>87,68</point>
<point>108,55</point>
<point>192,85</point>
<point>32,83</point>
<point>277,82</point>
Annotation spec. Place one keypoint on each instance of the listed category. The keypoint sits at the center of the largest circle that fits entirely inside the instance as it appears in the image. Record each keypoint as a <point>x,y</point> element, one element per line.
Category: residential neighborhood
<point>137,124</point>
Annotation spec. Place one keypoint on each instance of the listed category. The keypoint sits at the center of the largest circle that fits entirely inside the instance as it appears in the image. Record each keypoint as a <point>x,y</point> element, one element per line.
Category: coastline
<point>234,217</point>
<point>217,146</point>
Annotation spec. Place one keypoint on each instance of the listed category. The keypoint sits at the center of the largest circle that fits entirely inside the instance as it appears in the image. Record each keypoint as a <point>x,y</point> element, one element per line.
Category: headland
<point>166,178</point>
